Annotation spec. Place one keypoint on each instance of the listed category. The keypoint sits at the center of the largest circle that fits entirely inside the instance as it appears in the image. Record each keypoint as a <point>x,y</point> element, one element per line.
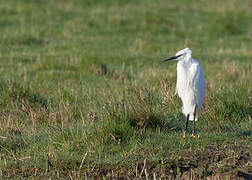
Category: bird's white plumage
<point>190,83</point>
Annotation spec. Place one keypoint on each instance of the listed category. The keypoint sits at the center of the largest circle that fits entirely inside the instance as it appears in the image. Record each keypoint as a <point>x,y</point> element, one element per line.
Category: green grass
<point>83,91</point>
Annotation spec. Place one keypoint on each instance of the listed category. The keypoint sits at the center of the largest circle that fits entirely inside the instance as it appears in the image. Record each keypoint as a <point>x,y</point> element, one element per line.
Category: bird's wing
<point>194,75</point>
<point>197,83</point>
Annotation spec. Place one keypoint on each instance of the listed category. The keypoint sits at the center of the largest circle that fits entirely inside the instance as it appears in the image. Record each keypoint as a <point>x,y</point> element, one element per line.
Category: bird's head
<point>181,55</point>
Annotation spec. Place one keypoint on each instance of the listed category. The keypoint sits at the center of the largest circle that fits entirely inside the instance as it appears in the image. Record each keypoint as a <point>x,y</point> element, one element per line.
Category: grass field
<point>83,91</point>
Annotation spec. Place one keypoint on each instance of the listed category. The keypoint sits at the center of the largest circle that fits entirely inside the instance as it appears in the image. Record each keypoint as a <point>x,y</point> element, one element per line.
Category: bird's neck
<point>187,61</point>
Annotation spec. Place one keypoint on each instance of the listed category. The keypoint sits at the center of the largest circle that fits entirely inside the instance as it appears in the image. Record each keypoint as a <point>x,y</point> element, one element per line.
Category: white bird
<point>190,85</point>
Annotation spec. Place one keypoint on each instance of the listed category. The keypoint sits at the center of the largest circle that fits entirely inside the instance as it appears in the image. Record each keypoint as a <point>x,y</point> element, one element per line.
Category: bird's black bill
<point>172,58</point>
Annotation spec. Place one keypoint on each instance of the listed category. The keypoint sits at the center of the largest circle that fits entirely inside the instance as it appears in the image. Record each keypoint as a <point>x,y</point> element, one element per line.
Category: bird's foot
<point>193,136</point>
<point>184,135</point>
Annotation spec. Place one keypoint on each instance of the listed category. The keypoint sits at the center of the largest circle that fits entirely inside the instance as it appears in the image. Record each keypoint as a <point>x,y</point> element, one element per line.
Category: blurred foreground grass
<point>83,91</point>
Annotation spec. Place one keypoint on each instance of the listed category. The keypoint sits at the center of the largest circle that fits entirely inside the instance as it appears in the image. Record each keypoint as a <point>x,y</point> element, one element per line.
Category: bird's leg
<point>194,115</point>
<point>187,118</point>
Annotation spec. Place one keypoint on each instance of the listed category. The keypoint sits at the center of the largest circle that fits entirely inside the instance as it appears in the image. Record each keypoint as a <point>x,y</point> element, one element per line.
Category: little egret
<point>190,86</point>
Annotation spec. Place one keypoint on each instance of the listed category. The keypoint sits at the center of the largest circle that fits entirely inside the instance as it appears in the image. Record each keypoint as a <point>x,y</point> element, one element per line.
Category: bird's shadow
<point>174,123</point>
<point>167,122</point>
<point>244,133</point>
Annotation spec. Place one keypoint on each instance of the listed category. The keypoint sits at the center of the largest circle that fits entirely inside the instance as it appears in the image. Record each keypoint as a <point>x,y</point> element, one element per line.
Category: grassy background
<point>83,91</point>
